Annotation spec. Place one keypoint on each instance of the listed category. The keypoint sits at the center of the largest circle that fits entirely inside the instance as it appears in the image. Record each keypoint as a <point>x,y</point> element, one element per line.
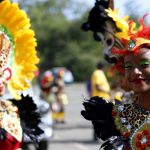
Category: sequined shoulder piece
<point>128,118</point>
<point>140,138</point>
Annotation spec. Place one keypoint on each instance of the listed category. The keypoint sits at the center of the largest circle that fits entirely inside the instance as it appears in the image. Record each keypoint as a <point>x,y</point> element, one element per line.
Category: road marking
<point>80,146</point>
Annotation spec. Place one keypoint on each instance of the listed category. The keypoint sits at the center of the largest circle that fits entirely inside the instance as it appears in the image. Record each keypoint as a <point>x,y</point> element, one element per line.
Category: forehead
<point>144,53</point>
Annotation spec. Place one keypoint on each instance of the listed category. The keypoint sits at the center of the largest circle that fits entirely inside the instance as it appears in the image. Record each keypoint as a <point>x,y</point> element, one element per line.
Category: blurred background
<point>61,41</point>
<point>63,46</point>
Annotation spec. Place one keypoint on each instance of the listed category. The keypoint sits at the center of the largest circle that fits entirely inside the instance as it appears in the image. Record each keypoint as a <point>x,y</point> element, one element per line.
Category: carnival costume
<point>124,126</point>
<point>18,61</point>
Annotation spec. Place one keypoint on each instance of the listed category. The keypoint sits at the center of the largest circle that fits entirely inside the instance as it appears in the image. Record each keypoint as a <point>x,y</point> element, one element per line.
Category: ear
<point>7,73</point>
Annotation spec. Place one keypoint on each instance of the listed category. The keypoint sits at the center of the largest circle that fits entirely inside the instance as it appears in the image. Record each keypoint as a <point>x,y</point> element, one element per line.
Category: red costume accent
<point>10,143</point>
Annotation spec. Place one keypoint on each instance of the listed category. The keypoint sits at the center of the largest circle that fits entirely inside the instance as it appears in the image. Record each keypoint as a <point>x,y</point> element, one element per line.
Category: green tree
<point>61,42</point>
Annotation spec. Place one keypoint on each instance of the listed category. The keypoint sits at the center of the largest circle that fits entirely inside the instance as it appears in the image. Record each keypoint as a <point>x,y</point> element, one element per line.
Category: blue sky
<point>139,7</point>
<point>142,5</point>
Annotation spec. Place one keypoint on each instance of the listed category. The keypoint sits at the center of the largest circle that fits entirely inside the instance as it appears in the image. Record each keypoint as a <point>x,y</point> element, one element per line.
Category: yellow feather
<point>140,41</point>
<point>25,59</point>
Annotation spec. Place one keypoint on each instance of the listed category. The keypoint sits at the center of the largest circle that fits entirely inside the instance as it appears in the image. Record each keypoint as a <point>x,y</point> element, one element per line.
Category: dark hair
<point>100,65</point>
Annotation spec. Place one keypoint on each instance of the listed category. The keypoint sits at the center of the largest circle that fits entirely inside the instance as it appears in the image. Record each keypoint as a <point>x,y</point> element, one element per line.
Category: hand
<point>97,108</point>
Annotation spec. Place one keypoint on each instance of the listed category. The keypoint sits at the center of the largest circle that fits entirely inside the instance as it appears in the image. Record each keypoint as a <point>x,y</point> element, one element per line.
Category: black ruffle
<point>29,116</point>
<point>99,111</point>
<point>2,134</point>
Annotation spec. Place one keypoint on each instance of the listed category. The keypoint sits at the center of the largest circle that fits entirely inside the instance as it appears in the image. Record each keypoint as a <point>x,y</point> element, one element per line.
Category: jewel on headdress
<point>131,45</point>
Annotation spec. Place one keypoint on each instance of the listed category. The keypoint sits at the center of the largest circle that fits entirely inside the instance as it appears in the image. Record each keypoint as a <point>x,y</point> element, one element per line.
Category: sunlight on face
<point>137,70</point>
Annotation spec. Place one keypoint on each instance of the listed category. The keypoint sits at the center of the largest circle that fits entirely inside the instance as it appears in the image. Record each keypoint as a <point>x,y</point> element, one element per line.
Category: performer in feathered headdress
<point>18,61</point>
<point>126,126</point>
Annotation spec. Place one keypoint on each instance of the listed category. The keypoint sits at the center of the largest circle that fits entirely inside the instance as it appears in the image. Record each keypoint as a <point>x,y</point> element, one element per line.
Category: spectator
<point>100,85</point>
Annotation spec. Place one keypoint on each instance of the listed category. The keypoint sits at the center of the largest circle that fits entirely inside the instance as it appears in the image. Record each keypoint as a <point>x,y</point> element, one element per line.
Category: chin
<point>141,89</point>
<point>2,93</point>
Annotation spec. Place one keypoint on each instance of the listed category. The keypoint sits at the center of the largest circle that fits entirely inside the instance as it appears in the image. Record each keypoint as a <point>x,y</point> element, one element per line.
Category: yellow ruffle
<point>140,41</point>
<point>120,22</point>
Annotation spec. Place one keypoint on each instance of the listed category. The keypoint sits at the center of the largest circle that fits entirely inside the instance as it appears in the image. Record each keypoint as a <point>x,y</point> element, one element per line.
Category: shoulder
<point>97,72</point>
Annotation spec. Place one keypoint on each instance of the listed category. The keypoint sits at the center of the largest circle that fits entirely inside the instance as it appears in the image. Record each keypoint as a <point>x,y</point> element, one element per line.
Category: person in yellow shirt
<point>100,85</point>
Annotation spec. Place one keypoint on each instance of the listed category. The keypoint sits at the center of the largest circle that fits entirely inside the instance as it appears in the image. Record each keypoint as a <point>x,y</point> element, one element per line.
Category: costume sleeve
<point>29,117</point>
<point>99,111</point>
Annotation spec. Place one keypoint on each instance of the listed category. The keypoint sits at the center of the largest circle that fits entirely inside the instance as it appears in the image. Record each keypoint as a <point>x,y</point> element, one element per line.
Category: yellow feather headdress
<point>129,34</point>
<point>17,47</point>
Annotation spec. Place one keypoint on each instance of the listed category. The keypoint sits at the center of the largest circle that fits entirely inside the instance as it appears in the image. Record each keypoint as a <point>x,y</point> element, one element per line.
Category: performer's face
<point>137,69</point>
<point>123,82</point>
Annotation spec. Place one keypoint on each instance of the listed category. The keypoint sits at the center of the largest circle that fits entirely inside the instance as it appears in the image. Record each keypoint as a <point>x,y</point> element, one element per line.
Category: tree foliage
<point>61,42</point>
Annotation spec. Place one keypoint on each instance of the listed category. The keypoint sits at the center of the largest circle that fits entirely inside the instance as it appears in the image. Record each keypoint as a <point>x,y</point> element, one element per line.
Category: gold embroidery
<point>132,117</point>
<point>141,137</point>
<point>9,119</point>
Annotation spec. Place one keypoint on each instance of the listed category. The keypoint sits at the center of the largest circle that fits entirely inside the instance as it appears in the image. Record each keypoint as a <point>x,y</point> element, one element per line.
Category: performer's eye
<point>128,66</point>
<point>145,63</point>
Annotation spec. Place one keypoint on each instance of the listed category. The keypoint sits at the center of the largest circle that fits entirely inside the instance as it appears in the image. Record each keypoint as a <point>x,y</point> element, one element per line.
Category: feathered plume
<point>29,116</point>
<point>103,28</point>
<point>99,111</point>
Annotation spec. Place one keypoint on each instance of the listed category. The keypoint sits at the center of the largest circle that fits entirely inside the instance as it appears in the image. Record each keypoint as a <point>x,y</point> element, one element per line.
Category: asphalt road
<point>76,133</point>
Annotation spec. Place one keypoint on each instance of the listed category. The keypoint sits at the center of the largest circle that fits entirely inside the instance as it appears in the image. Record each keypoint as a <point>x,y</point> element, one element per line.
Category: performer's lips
<point>138,81</point>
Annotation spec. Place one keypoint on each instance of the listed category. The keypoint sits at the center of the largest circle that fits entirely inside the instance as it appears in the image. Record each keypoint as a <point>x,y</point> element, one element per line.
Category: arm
<point>98,87</point>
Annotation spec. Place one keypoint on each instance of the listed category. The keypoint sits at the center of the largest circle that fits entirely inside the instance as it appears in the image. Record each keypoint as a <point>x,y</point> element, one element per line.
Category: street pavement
<point>76,133</point>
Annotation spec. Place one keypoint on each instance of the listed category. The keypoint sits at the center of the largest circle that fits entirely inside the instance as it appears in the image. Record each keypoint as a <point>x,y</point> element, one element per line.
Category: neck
<point>144,100</point>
